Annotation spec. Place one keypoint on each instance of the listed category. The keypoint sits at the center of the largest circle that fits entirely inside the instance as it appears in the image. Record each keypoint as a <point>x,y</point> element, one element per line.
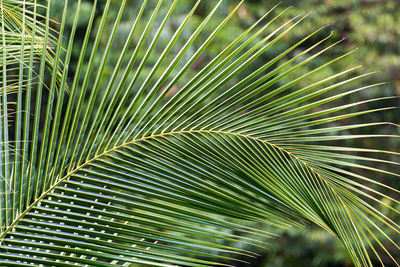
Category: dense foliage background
<point>372,26</point>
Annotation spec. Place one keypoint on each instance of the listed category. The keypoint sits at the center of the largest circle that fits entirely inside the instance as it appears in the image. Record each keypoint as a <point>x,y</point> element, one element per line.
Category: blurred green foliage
<point>370,26</point>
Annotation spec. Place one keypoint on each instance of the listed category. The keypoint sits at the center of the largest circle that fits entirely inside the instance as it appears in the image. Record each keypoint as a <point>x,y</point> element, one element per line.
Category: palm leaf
<point>122,171</point>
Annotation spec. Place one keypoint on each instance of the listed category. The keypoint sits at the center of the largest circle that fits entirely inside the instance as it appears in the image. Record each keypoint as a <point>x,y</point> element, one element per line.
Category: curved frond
<point>156,164</point>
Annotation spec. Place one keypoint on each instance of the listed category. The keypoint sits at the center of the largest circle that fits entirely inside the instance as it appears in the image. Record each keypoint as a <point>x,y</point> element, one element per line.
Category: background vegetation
<point>372,26</point>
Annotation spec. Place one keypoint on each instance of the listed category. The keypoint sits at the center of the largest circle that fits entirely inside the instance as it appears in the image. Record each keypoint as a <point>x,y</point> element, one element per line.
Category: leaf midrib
<point>83,165</point>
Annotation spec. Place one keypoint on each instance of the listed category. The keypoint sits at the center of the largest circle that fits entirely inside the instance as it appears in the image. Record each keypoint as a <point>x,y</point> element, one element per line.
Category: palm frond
<point>125,170</point>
